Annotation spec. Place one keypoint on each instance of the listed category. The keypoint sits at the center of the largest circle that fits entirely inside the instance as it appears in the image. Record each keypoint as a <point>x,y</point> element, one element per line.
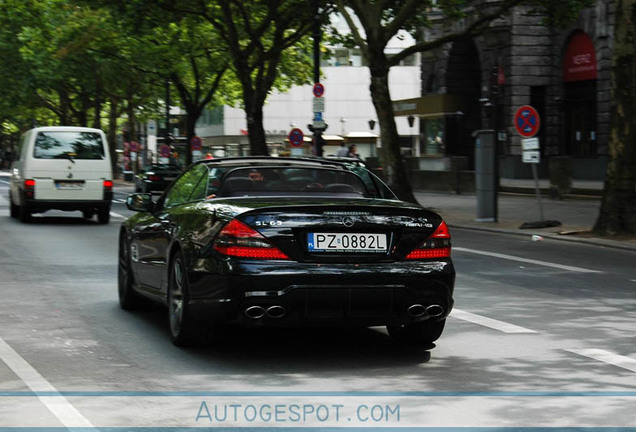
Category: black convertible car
<point>286,242</point>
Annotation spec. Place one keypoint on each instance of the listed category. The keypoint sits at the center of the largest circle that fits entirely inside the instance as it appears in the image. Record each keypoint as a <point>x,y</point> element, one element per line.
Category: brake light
<point>154,178</point>
<point>436,246</point>
<point>108,185</point>
<point>29,188</point>
<point>239,240</point>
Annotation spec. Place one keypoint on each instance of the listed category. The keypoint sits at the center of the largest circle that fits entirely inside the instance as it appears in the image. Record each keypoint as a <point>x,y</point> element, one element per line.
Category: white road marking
<point>489,322</point>
<point>526,260</point>
<point>56,403</point>
<point>607,357</point>
<point>118,215</point>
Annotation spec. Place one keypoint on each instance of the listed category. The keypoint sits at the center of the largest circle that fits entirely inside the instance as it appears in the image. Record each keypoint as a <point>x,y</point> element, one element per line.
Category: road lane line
<point>54,401</point>
<point>489,322</point>
<point>526,260</point>
<point>117,215</point>
<point>607,357</point>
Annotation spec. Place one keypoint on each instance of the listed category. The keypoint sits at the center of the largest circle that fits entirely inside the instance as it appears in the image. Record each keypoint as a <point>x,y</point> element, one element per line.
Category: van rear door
<point>69,165</point>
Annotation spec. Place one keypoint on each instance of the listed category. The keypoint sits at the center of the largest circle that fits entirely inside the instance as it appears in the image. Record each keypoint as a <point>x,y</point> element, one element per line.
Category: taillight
<point>436,246</point>
<point>29,188</point>
<point>154,178</point>
<point>108,185</point>
<point>239,240</point>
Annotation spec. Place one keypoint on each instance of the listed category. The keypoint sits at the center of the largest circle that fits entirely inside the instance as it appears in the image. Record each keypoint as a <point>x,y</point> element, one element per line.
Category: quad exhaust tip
<point>275,311</point>
<point>418,310</point>
<point>256,312</point>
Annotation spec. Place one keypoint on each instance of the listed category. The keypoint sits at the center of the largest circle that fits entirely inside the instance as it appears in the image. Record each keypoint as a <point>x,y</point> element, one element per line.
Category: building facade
<point>564,73</point>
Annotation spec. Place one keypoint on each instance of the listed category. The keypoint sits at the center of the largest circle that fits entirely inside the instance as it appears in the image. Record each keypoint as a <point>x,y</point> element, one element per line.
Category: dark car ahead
<point>156,177</point>
<point>286,242</point>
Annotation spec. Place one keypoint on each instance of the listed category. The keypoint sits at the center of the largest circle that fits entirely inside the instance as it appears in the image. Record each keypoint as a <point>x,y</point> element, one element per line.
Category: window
<point>191,186</point>
<point>68,144</point>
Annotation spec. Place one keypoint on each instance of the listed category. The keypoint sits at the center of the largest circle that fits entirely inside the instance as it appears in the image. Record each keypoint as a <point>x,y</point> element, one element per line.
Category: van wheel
<point>24,214</point>
<point>103,215</point>
<point>14,209</point>
<point>88,214</point>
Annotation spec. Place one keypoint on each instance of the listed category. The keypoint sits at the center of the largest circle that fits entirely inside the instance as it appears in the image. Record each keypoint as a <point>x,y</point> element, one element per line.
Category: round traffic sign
<point>319,89</point>
<point>165,151</point>
<point>195,142</point>
<point>527,121</point>
<point>296,137</point>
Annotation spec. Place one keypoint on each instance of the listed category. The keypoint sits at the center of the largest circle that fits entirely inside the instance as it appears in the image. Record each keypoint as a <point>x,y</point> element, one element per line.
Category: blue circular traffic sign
<point>196,143</point>
<point>165,151</point>
<point>527,121</point>
<point>319,89</point>
<point>296,137</point>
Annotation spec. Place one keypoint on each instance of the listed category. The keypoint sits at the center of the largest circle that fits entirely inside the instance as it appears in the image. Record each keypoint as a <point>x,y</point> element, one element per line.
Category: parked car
<point>64,168</point>
<point>286,242</point>
<point>156,177</point>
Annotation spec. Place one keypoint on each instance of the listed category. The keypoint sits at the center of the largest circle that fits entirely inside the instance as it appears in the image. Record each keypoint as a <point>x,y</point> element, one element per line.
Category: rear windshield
<point>264,181</point>
<point>68,145</point>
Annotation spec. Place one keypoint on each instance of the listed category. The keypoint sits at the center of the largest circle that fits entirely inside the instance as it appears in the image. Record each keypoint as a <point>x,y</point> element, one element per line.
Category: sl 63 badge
<point>269,223</point>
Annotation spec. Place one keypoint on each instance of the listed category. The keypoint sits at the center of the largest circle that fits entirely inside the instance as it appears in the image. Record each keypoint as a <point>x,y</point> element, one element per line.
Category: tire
<point>423,333</point>
<point>103,215</point>
<point>88,214</point>
<point>184,331</point>
<point>14,209</point>
<point>24,213</point>
<point>128,298</point>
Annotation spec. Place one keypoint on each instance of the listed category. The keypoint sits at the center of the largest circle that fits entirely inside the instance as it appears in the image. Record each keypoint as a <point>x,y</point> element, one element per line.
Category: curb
<point>594,241</point>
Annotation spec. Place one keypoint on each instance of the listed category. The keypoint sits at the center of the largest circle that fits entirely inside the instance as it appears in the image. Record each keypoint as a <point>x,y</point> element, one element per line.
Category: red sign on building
<point>579,63</point>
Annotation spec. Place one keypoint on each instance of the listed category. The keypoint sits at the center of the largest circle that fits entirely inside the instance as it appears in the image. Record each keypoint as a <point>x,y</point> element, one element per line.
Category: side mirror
<point>140,202</point>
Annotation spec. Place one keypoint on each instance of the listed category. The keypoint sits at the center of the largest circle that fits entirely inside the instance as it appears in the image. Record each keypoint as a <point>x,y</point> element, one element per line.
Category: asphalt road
<point>542,336</point>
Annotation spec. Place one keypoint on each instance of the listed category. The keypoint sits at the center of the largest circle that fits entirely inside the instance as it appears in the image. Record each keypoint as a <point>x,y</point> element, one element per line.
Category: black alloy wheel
<point>128,298</point>
<point>184,331</point>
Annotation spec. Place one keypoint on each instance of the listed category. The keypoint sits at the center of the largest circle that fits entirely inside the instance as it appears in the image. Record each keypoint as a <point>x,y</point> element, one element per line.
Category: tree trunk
<point>112,134</point>
<point>618,206</point>
<point>395,173</point>
<point>255,129</point>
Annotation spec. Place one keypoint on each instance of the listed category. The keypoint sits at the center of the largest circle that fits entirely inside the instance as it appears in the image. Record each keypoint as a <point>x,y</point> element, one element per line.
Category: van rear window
<point>68,145</point>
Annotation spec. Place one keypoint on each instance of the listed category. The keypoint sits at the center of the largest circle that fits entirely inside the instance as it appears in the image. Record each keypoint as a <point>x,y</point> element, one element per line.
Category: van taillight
<point>108,185</point>
<point>239,240</point>
<point>435,246</point>
<point>29,188</point>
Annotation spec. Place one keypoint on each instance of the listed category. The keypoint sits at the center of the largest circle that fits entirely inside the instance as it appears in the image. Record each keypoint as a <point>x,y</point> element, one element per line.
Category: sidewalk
<point>577,216</point>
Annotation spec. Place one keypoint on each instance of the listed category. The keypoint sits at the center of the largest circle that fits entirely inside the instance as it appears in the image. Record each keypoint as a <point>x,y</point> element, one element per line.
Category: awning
<point>435,105</point>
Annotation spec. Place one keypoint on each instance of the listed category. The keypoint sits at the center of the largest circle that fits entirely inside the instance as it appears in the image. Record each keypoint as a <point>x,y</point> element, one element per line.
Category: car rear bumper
<point>325,296</point>
<point>36,205</point>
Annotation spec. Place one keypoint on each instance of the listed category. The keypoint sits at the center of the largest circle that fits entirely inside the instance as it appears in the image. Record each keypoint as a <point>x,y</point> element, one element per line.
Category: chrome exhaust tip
<point>255,312</point>
<point>275,311</point>
<point>434,310</point>
<point>416,310</point>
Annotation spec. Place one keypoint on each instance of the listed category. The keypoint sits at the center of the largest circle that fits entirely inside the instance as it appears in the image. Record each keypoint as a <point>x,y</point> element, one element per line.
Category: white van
<point>64,168</point>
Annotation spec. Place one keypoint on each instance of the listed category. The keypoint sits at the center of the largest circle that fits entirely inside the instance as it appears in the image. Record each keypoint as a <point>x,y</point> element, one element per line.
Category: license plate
<point>69,185</point>
<point>346,242</point>
<point>169,178</point>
